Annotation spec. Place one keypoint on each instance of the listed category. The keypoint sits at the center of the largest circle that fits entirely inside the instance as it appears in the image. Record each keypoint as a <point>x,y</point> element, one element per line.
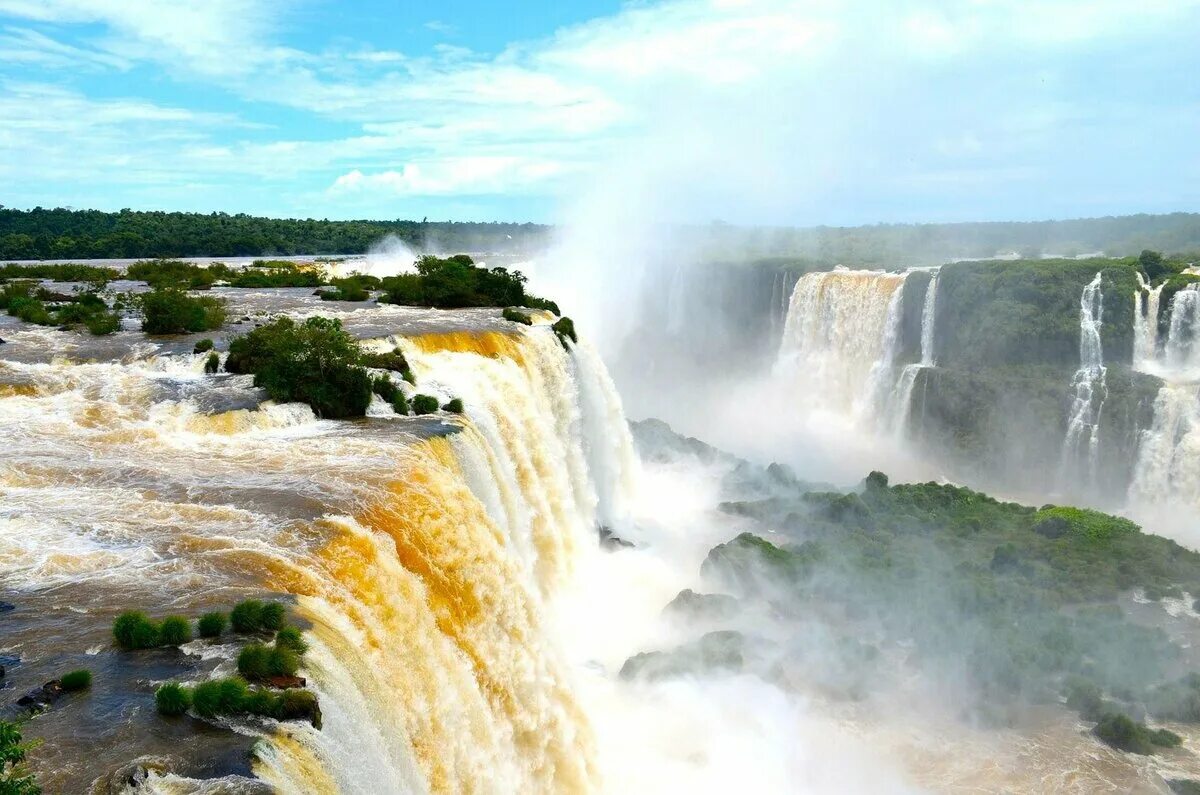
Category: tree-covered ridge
<point>85,234</point>
<point>1017,602</point>
<point>1027,311</point>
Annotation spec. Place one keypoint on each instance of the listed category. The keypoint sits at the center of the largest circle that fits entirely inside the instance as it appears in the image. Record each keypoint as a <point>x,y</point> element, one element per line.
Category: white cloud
<point>460,175</point>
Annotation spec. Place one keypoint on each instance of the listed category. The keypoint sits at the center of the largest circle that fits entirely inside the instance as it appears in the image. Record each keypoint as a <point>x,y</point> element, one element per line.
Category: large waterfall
<point>1145,323</point>
<point>426,559</point>
<point>900,406</point>
<point>840,339</point>
<point>1082,443</point>
<point>1167,475</point>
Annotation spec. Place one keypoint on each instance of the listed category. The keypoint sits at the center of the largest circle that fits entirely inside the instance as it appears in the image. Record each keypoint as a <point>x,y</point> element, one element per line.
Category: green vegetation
<point>212,364</point>
<point>172,699</point>
<point>392,360</point>
<point>272,617</point>
<point>1020,599</point>
<point>14,778</point>
<point>257,662</point>
<point>173,311</point>
<point>176,274</point>
<point>517,316</point>
<point>1122,732</point>
<point>211,625</point>
<point>37,305</point>
<point>174,631</point>
<point>454,406</point>
<point>315,362</point>
<point>351,288</point>
<point>218,697</point>
<point>291,638</point>
<point>92,275</point>
<point>1026,312</point>
<point>456,282</point>
<point>203,346</point>
<point>76,680</point>
<point>386,388</point>
<point>134,630</point>
<point>246,616</point>
<point>564,328</point>
<point>90,234</point>
<point>424,404</point>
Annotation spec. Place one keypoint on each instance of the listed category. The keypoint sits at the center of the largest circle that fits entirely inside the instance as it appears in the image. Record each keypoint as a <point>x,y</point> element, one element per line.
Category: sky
<point>743,111</point>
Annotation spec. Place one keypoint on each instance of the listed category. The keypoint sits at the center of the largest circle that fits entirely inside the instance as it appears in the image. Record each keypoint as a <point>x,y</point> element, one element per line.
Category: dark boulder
<point>610,541</point>
<point>43,697</point>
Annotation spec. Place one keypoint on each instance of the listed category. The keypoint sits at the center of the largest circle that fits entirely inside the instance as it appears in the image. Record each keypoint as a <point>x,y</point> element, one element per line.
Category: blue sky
<point>748,111</point>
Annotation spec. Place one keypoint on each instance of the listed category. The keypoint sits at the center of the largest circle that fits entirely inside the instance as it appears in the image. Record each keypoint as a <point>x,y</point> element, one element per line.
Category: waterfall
<point>1145,324</point>
<point>900,404</point>
<point>1168,463</point>
<point>1082,443</point>
<point>424,555</point>
<point>1182,349</point>
<point>840,339</point>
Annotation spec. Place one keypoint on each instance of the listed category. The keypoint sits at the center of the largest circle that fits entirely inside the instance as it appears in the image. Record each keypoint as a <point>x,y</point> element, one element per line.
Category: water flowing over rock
<point>1145,324</point>
<point>1082,444</point>
<point>840,339</point>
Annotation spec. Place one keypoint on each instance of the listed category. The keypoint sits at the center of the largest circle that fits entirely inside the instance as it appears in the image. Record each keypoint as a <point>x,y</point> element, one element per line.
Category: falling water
<point>900,404</point>
<point>840,338</point>
<point>1182,349</point>
<point>1082,443</point>
<point>1145,324</point>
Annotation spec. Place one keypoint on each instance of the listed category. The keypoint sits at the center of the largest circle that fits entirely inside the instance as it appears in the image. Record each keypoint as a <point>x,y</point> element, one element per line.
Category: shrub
<point>564,327</point>
<point>212,364</point>
<point>172,699</point>
<point>14,779</point>
<point>262,702</point>
<point>219,697</point>
<point>291,638</point>
<point>174,631</point>
<point>455,406</point>
<point>348,289</point>
<point>173,311</point>
<point>203,346</point>
<point>211,625</point>
<point>246,616</point>
<point>296,704</point>
<point>1124,733</point>
<point>516,316</point>
<point>314,362</point>
<point>391,360</point>
<point>102,323</point>
<point>387,389</point>
<point>76,680</point>
<point>273,616</point>
<point>424,404</point>
<point>533,302</point>
<point>134,630</point>
<point>253,662</point>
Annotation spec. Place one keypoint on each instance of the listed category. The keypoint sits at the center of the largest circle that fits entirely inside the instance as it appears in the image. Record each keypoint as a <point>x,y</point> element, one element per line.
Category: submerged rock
<point>715,652</point>
<point>43,697</point>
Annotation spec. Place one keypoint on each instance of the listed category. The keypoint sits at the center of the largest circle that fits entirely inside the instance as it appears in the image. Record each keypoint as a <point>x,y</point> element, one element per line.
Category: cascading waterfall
<point>1145,324</point>
<point>1081,446</point>
<point>902,394</point>
<point>425,561</point>
<point>1182,349</point>
<point>1168,464</point>
<point>840,339</point>
<point>428,604</point>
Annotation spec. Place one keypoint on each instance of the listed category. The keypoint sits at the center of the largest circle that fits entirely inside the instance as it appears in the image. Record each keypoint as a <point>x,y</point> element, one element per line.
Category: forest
<point>91,234</point>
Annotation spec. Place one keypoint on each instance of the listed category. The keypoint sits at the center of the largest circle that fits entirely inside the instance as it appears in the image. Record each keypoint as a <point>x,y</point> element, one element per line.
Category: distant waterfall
<point>1182,349</point>
<point>840,338</point>
<point>1168,464</point>
<point>1145,324</point>
<point>900,404</point>
<point>1082,444</point>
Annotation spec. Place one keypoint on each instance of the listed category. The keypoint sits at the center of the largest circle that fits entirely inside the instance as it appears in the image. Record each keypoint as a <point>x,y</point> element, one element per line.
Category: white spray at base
<point>1081,447</point>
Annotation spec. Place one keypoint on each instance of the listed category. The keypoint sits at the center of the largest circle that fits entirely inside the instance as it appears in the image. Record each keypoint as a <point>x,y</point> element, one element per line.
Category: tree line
<point>91,234</point>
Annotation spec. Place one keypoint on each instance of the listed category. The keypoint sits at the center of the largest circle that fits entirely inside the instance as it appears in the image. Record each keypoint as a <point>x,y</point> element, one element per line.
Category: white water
<point>1081,447</point>
<point>1182,350</point>
<point>900,404</point>
<point>1145,324</point>
<point>840,338</point>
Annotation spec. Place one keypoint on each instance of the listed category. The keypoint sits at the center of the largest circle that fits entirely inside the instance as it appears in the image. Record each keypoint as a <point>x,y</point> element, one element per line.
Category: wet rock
<point>284,682</point>
<point>703,605</point>
<point>43,697</point>
<point>1184,786</point>
<point>7,606</point>
<point>3,341</point>
<point>610,541</point>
